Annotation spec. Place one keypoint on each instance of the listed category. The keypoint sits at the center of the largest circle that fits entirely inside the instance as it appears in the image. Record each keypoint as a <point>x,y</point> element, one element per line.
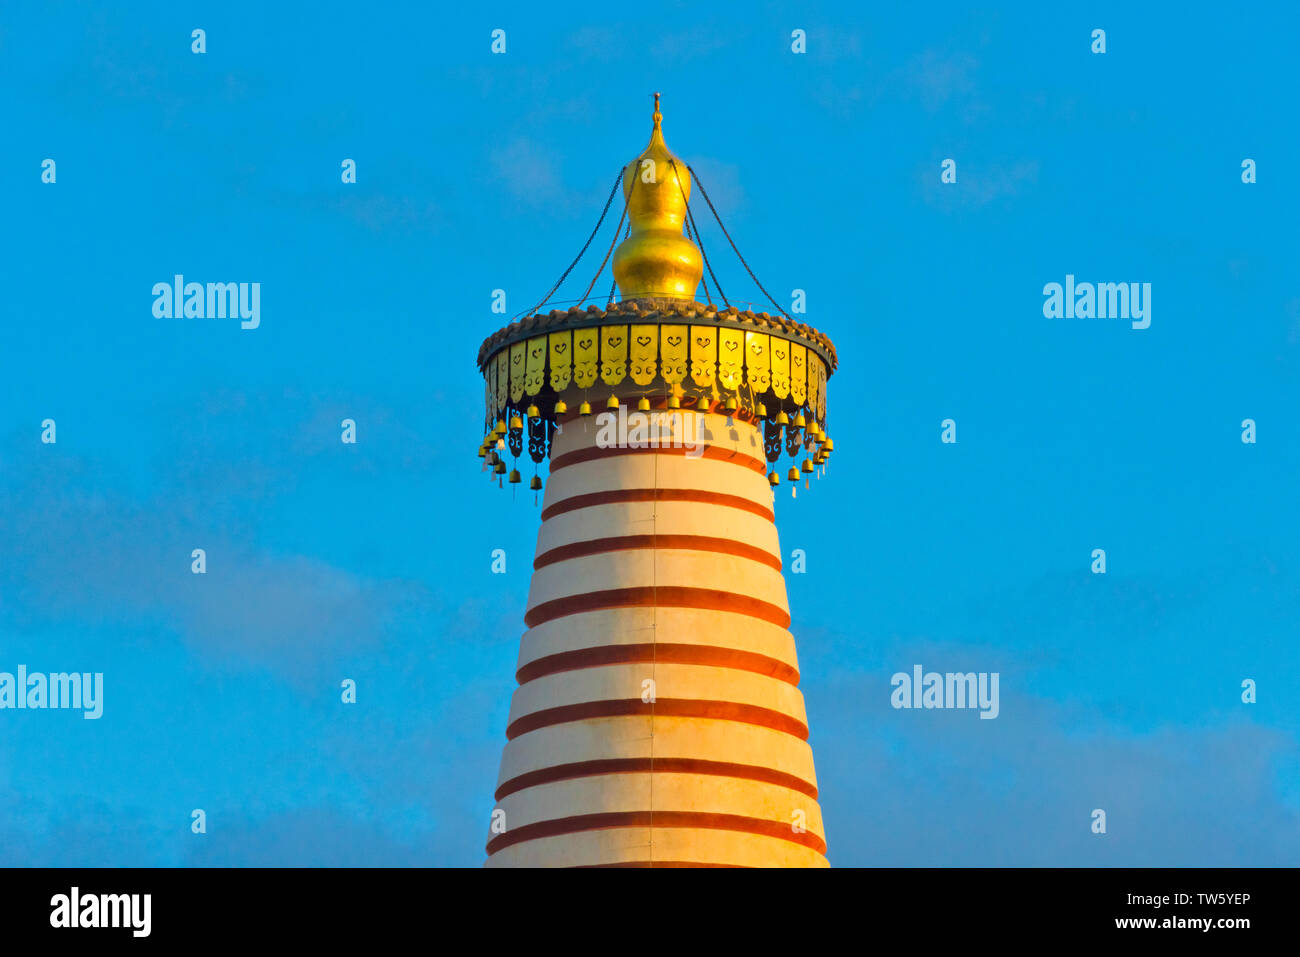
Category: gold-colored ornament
<point>656,260</point>
<point>821,390</point>
<point>561,347</point>
<point>503,380</point>
<point>731,357</point>
<point>586,350</point>
<point>798,373</point>
<point>613,354</point>
<point>673,342</point>
<point>780,367</point>
<point>535,366</point>
<point>758,369</point>
<point>814,363</point>
<point>643,349</point>
<point>518,353</point>
<point>704,355</point>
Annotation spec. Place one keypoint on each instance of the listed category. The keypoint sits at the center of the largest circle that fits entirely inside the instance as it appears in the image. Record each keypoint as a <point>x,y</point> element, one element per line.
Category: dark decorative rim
<point>690,314</point>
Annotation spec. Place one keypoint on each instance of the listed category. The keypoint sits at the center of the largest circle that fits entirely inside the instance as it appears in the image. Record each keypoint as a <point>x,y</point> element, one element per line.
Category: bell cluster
<point>798,434</point>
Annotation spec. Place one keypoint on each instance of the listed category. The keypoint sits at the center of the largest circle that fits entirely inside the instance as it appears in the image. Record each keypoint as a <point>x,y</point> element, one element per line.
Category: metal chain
<point>612,243</point>
<point>704,193</point>
<point>708,265</point>
<point>560,281</point>
<point>690,218</point>
<point>691,228</point>
<point>613,283</point>
<point>707,297</point>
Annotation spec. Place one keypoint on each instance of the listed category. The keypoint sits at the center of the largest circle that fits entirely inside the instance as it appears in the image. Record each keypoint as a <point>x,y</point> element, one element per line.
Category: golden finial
<point>656,260</point>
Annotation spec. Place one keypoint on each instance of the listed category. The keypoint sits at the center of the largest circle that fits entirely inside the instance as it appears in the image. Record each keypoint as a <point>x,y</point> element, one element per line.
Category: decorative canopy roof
<point>659,346</point>
<point>692,313</point>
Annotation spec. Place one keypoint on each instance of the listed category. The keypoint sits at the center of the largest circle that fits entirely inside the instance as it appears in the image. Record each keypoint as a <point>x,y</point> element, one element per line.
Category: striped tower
<point>657,719</point>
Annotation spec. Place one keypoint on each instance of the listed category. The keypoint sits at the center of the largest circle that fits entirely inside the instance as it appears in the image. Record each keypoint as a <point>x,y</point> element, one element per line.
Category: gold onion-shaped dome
<point>656,260</point>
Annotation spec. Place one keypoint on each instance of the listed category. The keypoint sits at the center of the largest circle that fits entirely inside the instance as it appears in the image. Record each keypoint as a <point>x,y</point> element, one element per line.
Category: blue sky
<point>478,172</point>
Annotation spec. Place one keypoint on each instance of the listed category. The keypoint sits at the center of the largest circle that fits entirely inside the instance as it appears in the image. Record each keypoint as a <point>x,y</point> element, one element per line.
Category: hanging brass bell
<point>612,403</point>
<point>761,411</point>
<point>501,427</point>
<point>773,479</point>
<point>794,474</point>
<point>516,422</point>
<point>782,418</point>
<point>536,483</point>
<point>561,407</point>
<point>482,452</point>
<point>643,405</point>
<point>500,468</point>
<point>533,413</point>
<point>799,420</point>
<point>674,402</point>
<point>584,409</point>
<point>807,465</point>
<point>731,405</point>
<point>829,445</point>
<point>514,477</point>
